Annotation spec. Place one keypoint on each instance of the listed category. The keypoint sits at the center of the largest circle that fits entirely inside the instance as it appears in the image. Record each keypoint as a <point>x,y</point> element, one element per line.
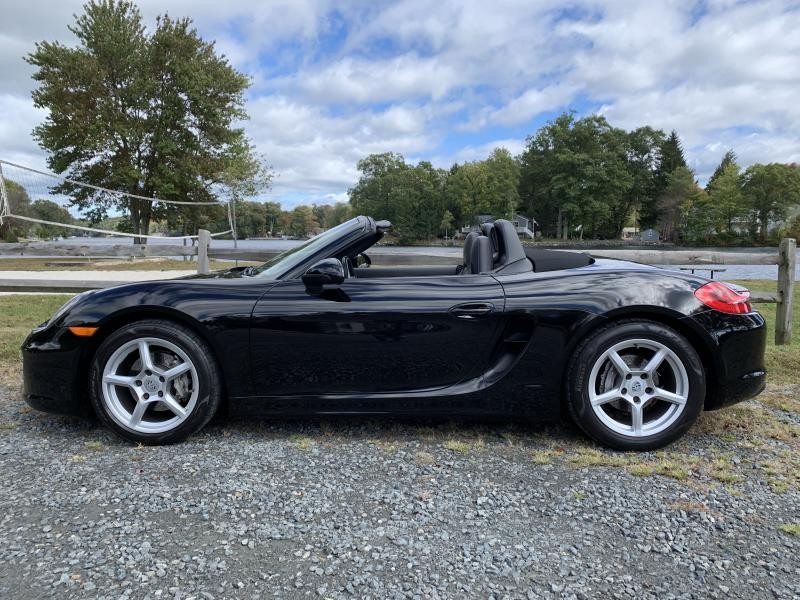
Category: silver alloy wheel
<point>149,385</point>
<point>638,387</point>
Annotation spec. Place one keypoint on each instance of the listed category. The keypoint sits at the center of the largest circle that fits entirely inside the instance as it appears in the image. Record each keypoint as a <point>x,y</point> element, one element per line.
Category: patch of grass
<point>385,445</point>
<point>592,457</point>
<point>641,470</point>
<point>542,457</point>
<point>456,446</point>
<point>790,528</point>
<point>20,314</point>
<point>424,458</point>
<point>722,470</point>
<point>578,495</point>
<point>93,445</point>
<point>302,441</point>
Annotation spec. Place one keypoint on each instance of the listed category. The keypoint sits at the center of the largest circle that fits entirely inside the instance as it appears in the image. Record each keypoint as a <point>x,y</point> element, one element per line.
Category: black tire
<point>208,376</point>
<point>590,350</point>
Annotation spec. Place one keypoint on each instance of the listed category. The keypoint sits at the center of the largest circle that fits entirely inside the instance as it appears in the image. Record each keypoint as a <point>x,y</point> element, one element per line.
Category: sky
<point>448,81</point>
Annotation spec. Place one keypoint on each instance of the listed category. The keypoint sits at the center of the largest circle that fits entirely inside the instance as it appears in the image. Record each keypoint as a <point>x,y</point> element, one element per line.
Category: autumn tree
<point>150,113</point>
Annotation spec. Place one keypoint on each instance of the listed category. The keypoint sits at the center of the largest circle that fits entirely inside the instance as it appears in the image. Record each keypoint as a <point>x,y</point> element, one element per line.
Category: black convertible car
<point>631,353</point>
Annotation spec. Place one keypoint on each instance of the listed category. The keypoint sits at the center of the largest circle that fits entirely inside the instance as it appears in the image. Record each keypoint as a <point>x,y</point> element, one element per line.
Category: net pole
<point>232,214</point>
<point>4,205</point>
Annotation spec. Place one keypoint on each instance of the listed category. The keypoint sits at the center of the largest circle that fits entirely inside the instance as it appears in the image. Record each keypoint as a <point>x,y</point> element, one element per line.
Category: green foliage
<point>672,201</point>
<point>47,210</point>
<point>410,196</point>
<point>729,158</point>
<point>19,203</point>
<point>575,175</point>
<point>149,113</point>
<point>770,190</point>
<point>727,204</point>
<point>670,157</point>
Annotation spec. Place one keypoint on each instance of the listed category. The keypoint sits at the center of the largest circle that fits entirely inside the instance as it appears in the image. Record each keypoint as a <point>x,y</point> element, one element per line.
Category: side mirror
<point>329,271</point>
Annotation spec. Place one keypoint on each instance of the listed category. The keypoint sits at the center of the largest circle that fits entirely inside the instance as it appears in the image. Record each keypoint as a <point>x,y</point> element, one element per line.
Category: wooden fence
<point>785,258</point>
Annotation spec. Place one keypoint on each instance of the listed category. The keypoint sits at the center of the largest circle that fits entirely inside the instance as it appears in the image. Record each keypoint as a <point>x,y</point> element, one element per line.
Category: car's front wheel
<point>154,382</point>
<point>635,385</point>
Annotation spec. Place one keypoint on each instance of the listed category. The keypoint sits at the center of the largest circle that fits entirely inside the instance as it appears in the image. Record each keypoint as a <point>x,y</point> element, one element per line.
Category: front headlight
<point>65,307</point>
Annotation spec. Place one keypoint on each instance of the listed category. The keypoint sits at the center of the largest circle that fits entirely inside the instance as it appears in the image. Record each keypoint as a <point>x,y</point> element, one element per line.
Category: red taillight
<point>720,297</point>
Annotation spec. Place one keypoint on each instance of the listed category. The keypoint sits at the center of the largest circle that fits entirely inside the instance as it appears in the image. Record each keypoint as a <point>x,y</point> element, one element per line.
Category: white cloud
<point>402,76</point>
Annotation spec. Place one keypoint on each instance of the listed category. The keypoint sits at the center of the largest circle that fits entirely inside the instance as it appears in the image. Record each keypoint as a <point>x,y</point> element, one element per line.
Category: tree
<point>643,155</point>
<point>150,114</point>
<point>341,213</point>
<point>447,222</point>
<point>19,203</point>
<point>672,202</point>
<point>502,186</point>
<point>302,221</point>
<point>467,188</point>
<point>575,172</point>
<point>373,194</point>
<point>728,159</point>
<point>769,191</point>
<point>272,216</point>
<point>670,158</point>
<point>47,210</point>
<point>727,200</point>
<point>410,196</point>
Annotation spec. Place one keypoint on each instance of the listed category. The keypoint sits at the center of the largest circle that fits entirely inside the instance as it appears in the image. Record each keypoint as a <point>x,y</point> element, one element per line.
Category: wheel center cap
<point>636,387</point>
<point>151,385</point>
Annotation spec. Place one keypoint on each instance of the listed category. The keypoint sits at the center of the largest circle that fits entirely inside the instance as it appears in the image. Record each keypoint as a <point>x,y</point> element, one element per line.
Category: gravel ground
<point>358,508</point>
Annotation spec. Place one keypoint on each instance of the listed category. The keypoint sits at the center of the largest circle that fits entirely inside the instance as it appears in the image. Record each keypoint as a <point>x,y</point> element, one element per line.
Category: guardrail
<point>785,258</point>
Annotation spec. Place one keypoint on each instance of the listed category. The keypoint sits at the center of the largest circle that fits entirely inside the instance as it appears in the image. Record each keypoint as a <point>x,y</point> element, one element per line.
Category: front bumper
<point>738,344</point>
<point>54,371</point>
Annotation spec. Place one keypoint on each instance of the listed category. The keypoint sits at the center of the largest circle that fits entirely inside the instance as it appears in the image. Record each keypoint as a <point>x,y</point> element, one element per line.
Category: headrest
<point>468,242</point>
<point>481,260</point>
<point>510,248</point>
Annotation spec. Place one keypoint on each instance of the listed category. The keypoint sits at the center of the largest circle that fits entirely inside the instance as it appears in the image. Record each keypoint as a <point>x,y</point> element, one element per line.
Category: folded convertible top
<point>556,260</point>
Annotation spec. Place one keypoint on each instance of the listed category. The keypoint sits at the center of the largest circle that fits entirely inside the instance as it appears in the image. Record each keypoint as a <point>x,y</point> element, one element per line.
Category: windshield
<point>286,261</point>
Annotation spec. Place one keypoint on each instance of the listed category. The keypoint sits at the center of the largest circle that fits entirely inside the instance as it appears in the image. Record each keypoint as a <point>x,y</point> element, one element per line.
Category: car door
<point>374,335</point>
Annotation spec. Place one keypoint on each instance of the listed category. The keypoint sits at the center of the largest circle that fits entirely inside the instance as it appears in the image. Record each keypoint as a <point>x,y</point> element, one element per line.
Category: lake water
<point>731,271</point>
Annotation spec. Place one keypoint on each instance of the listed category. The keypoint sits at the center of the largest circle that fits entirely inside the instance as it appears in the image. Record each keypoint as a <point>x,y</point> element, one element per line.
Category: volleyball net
<point>36,201</point>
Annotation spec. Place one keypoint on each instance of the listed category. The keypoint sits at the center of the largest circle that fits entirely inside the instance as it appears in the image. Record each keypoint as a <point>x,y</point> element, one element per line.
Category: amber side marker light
<point>725,299</point>
<point>83,331</point>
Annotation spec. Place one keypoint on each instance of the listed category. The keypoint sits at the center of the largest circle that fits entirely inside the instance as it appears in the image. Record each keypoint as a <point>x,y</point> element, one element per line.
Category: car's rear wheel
<point>154,382</point>
<point>635,385</point>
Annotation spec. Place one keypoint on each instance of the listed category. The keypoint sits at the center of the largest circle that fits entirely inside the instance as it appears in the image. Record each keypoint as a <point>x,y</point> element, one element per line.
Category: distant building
<point>524,225</point>
<point>651,236</point>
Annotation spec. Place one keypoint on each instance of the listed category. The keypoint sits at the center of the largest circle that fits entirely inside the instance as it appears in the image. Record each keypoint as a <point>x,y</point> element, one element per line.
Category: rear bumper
<point>738,344</point>
<point>53,372</point>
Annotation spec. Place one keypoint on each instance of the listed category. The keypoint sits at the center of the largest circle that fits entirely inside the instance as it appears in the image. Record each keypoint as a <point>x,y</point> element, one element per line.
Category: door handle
<point>472,310</point>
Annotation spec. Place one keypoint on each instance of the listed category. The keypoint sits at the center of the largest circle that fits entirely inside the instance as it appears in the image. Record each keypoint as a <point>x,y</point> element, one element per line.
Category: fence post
<point>787,262</point>
<point>203,241</point>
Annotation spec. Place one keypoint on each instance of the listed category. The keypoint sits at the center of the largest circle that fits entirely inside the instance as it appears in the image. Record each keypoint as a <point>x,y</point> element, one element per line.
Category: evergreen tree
<point>728,159</point>
<point>670,158</point>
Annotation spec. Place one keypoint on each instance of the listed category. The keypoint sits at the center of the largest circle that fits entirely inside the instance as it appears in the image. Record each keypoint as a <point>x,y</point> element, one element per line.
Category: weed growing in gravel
<point>721,470</point>
<point>94,445</point>
<point>302,441</point>
<point>385,445</point>
<point>542,457</point>
<point>592,457</point>
<point>791,528</point>
<point>424,458</point>
<point>456,446</point>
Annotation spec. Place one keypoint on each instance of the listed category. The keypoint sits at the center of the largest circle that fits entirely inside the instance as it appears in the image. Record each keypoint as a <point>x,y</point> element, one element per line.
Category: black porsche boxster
<point>632,353</point>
